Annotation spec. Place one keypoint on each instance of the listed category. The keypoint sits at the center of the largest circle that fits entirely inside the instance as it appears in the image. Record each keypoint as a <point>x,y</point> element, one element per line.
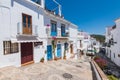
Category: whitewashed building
<point>72,48</point>
<point>95,44</point>
<point>83,41</point>
<point>57,35</point>
<point>22,32</point>
<point>61,42</point>
<point>29,32</point>
<point>113,42</point>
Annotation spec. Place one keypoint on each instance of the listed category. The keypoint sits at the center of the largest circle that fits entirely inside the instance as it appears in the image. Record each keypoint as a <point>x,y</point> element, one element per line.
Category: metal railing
<point>98,72</point>
<point>48,32</point>
<point>21,26</point>
<point>66,34</point>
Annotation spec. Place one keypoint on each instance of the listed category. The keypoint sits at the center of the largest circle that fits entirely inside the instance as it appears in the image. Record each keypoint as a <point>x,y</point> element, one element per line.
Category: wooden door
<point>27,24</point>
<point>26,52</point>
<point>71,48</point>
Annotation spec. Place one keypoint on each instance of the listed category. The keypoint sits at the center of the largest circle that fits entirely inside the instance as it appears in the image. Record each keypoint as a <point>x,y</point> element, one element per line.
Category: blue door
<point>59,50</point>
<point>49,52</point>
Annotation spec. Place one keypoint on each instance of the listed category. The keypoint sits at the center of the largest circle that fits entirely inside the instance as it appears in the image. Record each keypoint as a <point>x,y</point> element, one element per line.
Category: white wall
<point>86,42</point>
<point>39,52</point>
<point>10,15</point>
<point>5,27</point>
<point>115,49</point>
<point>47,21</point>
<point>73,36</point>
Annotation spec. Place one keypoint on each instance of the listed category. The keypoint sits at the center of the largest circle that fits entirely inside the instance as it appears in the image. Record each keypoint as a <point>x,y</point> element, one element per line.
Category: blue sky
<point>92,16</point>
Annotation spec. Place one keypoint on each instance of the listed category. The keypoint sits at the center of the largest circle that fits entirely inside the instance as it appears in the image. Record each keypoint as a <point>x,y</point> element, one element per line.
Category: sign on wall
<point>36,44</point>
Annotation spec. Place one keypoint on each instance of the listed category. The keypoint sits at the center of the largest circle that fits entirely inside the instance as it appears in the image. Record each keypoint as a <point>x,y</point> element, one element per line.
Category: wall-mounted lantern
<point>118,55</point>
<point>108,45</point>
<point>112,41</point>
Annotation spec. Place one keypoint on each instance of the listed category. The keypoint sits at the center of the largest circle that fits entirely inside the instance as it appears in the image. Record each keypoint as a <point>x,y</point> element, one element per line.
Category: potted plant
<point>55,58</point>
<point>42,60</point>
<point>53,48</point>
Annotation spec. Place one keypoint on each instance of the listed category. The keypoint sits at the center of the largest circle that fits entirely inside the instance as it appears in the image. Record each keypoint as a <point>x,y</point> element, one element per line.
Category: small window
<point>24,20</point>
<point>63,33</point>
<point>29,21</point>
<point>53,26</point>
<point>63,28</point>
<point>114,55</point>
<point>9,47</point>
<point>80,43</point>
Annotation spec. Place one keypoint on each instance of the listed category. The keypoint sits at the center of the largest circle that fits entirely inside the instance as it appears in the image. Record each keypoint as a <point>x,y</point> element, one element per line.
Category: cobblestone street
<point>52,70</point>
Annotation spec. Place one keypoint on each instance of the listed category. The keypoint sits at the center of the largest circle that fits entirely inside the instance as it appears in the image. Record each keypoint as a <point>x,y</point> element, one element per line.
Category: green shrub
<point>111,77</point>
<point>96,57</point>
<point>42,59</point>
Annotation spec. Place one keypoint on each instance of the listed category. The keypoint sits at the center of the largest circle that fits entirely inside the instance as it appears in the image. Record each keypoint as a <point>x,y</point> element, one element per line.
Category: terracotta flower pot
<point>64,57</point>
<point>55,58</point>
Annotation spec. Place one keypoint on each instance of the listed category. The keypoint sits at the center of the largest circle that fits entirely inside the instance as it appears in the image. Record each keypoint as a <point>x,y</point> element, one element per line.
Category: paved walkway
<point>52,70</point>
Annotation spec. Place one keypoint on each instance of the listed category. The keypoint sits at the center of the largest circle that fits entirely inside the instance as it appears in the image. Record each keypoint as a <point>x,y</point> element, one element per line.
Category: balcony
<point>59,34</point>
<point>27,29</point>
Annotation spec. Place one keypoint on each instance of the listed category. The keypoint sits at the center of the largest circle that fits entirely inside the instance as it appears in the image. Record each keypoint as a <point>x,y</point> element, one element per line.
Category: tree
<point>100,38</point>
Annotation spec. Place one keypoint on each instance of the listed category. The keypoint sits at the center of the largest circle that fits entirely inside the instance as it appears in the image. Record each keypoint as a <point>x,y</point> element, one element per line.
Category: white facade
<point>70,29</point>
<point>15,16</point>
<point>84,41</point>
<point>113,42</point>
<point>48,17</point>
<point>11,24</point>
<point>95,44</point>
<point>73,40</point>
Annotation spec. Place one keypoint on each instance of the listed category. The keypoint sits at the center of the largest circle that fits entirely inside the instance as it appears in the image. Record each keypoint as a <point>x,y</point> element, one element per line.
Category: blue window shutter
<point>63,31</point>
<point>53,29</point>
